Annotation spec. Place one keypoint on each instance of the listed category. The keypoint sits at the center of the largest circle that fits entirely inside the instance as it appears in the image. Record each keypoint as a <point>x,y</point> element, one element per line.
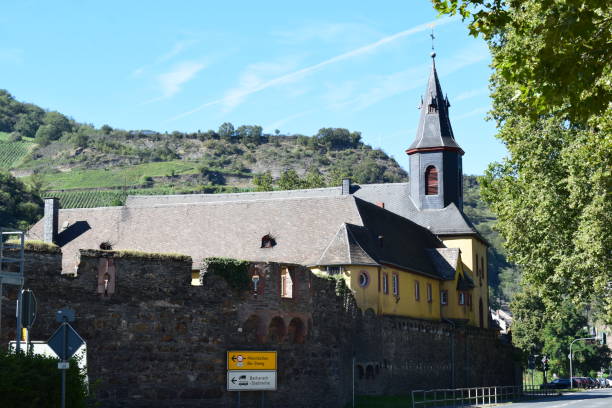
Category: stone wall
<point>401,354</point>
<point>154,340</point>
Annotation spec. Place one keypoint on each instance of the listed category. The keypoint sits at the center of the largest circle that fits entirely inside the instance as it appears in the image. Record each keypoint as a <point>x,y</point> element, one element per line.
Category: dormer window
<point>431,181</point>
<point>267,241</point>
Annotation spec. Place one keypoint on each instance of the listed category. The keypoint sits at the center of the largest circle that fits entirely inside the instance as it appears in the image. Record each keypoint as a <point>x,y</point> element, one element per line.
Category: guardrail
<point>477,396</point>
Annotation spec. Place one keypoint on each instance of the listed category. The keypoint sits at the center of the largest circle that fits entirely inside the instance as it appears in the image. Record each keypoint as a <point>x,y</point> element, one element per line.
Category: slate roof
<point>395,196</point>
<point>341,229</point>
<point>434,129</point>
<point>445,260</point>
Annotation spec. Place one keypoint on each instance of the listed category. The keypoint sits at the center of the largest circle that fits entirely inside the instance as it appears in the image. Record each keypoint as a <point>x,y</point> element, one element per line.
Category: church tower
<point>435,157</point>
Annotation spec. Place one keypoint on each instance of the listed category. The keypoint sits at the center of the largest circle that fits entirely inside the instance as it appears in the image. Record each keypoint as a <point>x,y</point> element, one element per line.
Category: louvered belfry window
<point>431,181</point>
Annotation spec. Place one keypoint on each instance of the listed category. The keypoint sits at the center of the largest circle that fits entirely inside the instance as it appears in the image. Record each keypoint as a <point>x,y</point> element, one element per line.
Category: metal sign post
<point>11,270</point>
<point>65,342</point>
<point>251,371</point>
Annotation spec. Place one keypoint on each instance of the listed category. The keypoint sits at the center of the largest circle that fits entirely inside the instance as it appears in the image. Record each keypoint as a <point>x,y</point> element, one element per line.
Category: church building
<point>404,249</point>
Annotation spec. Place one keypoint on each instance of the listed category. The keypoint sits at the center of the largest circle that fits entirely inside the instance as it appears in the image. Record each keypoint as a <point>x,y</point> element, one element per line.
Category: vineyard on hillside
<point>12,153</point>
<point>111,198</point>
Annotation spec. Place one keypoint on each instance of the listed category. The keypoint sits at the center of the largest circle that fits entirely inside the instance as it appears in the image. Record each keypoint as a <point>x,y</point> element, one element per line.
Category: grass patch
<point>127,176</point>
<point>37,246</point>
<point>117,177</point>
<point>128,253</point>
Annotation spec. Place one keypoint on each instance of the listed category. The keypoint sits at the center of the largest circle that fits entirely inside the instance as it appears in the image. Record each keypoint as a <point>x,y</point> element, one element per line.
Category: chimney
<point>50,222</point>
<point>346,186</point>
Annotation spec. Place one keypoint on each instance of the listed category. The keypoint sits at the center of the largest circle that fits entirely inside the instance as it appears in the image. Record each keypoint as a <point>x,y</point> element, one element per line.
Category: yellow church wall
<point>406,302</point>
<point>365,296</point>
<point>452,309</point>
<point>373,296</point>
<point>474,258</point>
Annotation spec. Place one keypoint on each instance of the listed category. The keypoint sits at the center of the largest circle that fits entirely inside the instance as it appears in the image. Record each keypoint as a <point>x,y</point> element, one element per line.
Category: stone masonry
<point>154,340</point>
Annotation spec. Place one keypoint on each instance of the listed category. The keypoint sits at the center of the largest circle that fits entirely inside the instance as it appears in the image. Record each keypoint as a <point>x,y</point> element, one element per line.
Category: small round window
<point>364,279</point>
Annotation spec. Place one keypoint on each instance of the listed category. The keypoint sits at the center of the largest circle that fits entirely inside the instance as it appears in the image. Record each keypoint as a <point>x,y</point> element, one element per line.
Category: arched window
<point>431,181</point>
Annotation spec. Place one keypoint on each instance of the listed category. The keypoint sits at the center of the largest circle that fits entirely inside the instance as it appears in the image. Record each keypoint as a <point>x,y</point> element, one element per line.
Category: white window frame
<point>395,284</point>
<point>444,297</point>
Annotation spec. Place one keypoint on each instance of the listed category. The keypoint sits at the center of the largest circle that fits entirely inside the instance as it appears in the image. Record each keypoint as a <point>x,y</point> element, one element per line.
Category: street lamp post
<point>570,358</point>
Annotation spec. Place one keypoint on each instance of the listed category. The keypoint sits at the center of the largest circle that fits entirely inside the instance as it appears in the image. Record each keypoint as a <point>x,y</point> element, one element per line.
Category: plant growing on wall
<point>234,271</point>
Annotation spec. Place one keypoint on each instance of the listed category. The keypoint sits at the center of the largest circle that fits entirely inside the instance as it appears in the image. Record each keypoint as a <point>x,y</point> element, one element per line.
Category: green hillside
<point>86,166</point>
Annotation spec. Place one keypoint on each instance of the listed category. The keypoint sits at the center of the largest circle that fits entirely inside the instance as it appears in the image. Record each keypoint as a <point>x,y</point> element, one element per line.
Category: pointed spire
<point>434,130</point>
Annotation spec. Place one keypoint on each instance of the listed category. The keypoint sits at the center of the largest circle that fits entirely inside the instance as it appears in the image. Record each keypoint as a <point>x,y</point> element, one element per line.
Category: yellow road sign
<point>251,360</point>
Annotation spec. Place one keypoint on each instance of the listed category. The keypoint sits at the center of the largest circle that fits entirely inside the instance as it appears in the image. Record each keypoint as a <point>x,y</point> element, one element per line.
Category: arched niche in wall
<point>296,331</point>
<point>276,330</point>
<point>253,329</point>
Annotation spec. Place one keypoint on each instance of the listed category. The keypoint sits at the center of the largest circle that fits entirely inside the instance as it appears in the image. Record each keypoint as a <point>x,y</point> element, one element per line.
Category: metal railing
<point>477,396</point>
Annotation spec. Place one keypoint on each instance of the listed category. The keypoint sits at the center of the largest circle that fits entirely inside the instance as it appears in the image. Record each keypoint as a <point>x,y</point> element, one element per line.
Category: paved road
<point>587,399</point>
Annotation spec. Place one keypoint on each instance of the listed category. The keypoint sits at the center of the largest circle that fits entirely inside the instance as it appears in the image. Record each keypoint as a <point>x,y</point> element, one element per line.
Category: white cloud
<point>326,32</point>
<point>170,82</point>
<point>238,95</point>
<point>253,76</point>
<point>352,94</point>
<point>176,49</point>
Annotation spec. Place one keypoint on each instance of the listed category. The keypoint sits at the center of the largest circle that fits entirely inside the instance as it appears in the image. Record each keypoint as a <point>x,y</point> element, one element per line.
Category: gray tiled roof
<point>445,260</point>
<point>395,196</point>
<point>434,129</point>
<point>147,200</point>
<point>340,229</point>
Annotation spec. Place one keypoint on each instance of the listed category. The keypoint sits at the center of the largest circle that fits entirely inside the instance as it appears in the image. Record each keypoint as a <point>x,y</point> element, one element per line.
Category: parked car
<point>580,382</point>
<point>558,383</point>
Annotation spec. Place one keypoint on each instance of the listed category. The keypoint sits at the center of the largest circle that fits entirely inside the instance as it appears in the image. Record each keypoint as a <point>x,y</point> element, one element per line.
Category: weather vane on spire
<point>433,52</point>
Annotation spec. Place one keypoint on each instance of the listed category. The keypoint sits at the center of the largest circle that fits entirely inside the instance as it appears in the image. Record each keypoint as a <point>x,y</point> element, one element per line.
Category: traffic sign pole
<point>65,328</point>
<point>18,328</point>
<point>65,342</point>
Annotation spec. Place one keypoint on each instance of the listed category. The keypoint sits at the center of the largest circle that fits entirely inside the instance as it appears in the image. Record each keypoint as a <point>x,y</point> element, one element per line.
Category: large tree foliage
<point>551,91</point>
<point>534,332</point>
<point>19,206</point>
<point>556,52</point>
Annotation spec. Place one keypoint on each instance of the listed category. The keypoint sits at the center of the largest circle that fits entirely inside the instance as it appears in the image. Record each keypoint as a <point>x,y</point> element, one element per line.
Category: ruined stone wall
<point>156,341</point>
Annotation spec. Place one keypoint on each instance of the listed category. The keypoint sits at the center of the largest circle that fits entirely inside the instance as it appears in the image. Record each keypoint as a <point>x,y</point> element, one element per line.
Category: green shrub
<point>35,381</point>
<point>234,271</point>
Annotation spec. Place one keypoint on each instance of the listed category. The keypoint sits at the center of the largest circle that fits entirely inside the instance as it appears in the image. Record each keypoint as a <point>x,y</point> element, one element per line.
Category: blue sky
<point>189,65</point>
